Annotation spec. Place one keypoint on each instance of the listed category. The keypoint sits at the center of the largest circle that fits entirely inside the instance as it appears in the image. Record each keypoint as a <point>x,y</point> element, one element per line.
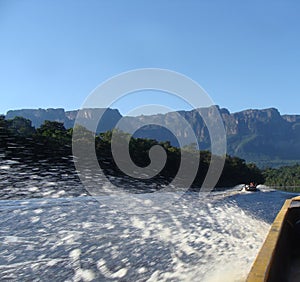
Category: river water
<point>51,229</point>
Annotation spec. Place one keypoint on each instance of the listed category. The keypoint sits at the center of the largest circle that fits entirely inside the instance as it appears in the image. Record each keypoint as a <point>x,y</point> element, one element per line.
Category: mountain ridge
<point>263,136</point>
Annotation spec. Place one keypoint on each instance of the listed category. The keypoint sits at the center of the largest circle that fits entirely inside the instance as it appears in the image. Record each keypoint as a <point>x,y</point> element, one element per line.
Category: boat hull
<point>279,257</point>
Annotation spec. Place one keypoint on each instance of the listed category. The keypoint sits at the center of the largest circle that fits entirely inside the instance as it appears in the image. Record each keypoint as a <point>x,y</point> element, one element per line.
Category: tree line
<point>283,177</point>
<point>19,139</point>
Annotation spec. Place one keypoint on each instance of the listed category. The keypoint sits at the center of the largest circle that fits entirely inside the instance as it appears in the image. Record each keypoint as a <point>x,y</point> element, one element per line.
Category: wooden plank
<point>296,198</point>
<point>262,264</point>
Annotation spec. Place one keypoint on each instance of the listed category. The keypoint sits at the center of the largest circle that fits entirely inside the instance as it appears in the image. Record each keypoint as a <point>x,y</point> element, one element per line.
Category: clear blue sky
<point>245,54</point>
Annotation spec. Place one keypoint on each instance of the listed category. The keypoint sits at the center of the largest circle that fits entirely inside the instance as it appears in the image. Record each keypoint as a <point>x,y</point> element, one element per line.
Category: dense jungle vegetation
<point>52,141</point>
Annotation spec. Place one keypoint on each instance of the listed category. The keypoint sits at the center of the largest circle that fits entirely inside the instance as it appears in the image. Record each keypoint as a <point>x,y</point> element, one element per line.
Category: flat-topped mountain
<point>263,136</point>
<point>38,116</point>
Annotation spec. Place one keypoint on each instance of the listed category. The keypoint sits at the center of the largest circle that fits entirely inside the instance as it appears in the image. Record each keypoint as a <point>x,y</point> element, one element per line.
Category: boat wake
<point>199,237</point>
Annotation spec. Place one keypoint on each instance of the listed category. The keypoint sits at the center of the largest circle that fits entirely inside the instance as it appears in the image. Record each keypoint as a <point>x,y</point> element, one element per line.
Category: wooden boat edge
<point>261,266</point>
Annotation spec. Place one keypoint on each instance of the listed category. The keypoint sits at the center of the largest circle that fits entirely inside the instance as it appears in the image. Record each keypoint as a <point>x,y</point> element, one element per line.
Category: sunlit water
<point>51,229</point>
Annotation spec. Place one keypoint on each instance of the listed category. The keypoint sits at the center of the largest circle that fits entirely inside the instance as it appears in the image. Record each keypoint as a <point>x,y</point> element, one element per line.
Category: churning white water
<point>212,237</point>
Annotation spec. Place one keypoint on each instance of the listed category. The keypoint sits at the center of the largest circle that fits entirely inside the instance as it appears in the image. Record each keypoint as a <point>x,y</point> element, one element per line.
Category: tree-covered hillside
<point>262,136</point>
<point>286,176</point>
<point>19,139</point>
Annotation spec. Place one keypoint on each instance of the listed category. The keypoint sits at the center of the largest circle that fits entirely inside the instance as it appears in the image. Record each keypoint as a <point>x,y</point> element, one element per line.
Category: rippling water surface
<point>52,229</point>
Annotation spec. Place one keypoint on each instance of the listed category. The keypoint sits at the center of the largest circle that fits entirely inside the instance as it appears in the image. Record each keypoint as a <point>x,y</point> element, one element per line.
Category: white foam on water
<point>207,237</point>
<point>222,240</point>
<point>5,167</point>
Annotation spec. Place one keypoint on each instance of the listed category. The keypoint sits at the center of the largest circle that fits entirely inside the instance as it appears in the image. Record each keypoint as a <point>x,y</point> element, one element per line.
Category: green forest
<point>52,141</point>
<point>285,178</point>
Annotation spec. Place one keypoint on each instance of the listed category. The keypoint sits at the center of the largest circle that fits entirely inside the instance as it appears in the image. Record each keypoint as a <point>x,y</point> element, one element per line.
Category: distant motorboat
<point>252,187</point>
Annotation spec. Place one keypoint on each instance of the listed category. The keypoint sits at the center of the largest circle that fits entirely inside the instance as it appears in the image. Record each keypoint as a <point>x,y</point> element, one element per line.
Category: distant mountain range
<point>261,136</point>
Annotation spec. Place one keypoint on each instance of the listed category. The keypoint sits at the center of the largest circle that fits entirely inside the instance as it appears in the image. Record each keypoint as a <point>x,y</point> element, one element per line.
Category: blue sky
<point>245,54</point>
